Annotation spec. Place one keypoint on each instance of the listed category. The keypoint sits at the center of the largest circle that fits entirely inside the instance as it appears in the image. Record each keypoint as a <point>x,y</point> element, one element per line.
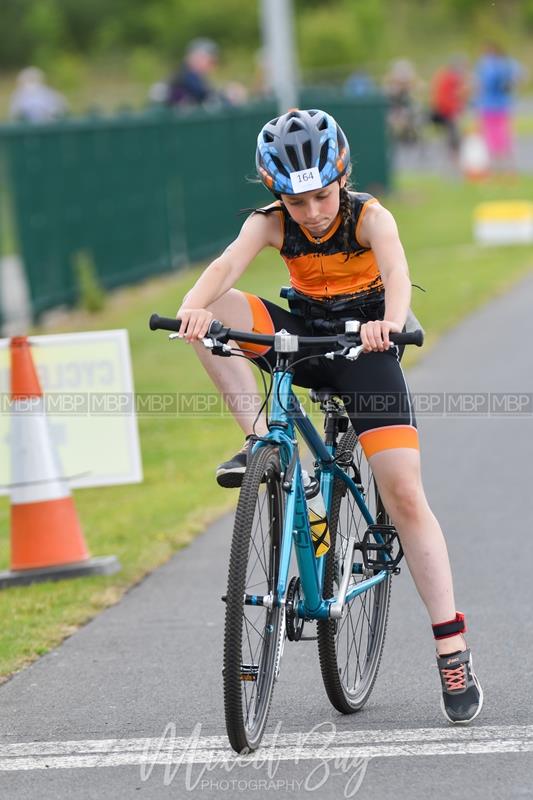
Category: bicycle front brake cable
<point>264,405</point>
<point>294,363</point>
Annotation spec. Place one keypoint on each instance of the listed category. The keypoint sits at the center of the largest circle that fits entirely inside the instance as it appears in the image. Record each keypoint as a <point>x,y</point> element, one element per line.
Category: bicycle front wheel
<point>254,632</point>
<point>350,648</point>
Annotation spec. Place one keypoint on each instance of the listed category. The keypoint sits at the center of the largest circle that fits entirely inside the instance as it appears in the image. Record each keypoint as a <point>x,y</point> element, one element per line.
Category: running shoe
<point>229,474</point>
<point>462,695</point>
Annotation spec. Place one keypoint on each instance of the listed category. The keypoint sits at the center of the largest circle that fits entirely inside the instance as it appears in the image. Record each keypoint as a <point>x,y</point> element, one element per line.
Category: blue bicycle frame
<point>286,414</point>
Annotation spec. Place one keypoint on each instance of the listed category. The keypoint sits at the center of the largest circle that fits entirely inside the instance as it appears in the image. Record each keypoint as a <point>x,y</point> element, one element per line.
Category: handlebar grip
<point>409,337</point>
<point>164,323</point>
<point>170,324</point>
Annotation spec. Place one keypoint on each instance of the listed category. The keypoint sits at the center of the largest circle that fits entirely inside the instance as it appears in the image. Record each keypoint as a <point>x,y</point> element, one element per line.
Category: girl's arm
<point>259,231</point>
<point>380,232</point>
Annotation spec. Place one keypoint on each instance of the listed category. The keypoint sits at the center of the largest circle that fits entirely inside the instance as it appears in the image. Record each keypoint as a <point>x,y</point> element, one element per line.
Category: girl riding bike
<point>345,261</point>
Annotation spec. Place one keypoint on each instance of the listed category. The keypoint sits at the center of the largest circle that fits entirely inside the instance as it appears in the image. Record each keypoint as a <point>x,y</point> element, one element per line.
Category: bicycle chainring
<point>295,624</point>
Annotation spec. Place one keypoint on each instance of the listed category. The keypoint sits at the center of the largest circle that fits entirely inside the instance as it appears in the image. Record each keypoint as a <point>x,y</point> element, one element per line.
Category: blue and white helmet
<point>300,151</point>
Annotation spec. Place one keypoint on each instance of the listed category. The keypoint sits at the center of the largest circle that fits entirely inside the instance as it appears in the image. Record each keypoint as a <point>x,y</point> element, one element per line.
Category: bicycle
<point>346,590</point>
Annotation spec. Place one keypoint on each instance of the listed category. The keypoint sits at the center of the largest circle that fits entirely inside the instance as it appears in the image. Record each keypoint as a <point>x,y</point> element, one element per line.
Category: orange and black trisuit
<point>332,280</point>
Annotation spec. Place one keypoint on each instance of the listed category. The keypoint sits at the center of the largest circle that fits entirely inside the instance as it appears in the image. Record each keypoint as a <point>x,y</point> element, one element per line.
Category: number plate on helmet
<point>305,180</point>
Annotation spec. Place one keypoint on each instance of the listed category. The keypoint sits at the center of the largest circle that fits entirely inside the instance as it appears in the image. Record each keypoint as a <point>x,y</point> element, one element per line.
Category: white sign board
<point>87,384</point>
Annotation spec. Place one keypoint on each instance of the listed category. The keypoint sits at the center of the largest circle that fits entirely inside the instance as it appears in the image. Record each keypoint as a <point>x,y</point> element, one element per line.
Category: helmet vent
<point>294,127</point>
<point>267,137</point>
<point>323,124</point>
<point>291,152</point>
<point>307,151</point>
<point>323,156</point>
<point>280,165</point>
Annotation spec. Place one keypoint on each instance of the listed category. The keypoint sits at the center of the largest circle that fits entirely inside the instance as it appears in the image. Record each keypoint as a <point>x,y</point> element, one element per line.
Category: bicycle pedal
<point>378,555</point>
<point>249,672</point>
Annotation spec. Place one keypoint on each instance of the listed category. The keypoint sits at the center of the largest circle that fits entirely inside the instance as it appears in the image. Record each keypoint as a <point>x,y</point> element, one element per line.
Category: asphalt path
<point>131,705</point>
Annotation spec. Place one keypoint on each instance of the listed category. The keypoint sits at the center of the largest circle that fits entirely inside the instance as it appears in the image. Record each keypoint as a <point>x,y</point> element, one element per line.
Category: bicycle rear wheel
<point>350,648</point>
<point>254,634</point>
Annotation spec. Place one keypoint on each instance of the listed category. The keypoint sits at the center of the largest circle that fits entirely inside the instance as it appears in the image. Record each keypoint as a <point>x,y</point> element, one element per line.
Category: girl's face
<point>316,210</point>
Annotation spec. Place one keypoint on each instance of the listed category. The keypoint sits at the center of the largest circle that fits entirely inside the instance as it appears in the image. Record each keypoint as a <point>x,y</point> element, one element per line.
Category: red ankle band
<point>443,630</point>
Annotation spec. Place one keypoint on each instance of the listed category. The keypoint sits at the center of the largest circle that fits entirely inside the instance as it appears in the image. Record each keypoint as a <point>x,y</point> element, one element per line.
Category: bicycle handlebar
<point>222,334</point>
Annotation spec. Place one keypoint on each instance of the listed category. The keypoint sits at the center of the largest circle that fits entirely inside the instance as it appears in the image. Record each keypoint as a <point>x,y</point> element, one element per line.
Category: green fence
<point>147,193</point>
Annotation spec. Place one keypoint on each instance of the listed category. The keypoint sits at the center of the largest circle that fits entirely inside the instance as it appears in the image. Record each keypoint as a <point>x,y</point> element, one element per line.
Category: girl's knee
<point>233,309</point>
<point>405,498</point>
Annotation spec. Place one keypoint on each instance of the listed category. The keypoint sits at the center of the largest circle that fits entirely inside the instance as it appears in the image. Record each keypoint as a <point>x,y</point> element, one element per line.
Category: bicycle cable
<point>299,361</point>
<point>240,352</point>
<point>268,391</point>
<point>293,364</point>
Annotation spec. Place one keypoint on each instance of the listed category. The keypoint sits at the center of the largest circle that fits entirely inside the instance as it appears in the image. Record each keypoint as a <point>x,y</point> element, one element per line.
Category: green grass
<point>144,525</point>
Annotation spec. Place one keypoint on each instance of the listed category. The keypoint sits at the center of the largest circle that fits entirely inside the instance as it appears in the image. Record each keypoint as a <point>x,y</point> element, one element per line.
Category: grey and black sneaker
<point>462,695</point>
<point>230,473</point>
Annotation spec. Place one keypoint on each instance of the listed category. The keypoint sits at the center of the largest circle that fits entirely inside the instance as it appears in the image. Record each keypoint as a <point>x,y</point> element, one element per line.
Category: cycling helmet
<point>301,150</point>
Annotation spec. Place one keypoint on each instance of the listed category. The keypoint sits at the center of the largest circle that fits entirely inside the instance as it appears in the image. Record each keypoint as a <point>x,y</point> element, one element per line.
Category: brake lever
<point>350,353</point>
<point>217,348</point>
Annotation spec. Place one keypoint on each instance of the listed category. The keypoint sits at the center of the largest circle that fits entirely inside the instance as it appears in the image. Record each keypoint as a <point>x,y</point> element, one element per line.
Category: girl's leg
<point>234,377</point>
<point>397,473</point>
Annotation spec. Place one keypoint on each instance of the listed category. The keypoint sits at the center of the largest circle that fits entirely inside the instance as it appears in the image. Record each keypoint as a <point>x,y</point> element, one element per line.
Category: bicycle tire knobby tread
<point>264,460</point>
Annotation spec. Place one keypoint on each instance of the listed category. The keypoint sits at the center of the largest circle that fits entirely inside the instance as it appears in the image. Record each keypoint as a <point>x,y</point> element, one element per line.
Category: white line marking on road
<point>295,747</point>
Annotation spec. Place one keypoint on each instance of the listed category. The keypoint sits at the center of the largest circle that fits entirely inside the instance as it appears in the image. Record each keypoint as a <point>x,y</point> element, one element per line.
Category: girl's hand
<point>194,323</point>
<point>375,335</point>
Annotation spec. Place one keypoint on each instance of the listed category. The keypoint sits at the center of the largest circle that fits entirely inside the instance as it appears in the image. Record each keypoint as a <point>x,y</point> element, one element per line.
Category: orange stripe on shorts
<point>262,323</point>
<point>389,437</point>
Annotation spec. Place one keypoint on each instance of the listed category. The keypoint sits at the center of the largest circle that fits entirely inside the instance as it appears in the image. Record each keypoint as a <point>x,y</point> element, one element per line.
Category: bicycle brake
<point>217,348</point>
<point>350,353</point>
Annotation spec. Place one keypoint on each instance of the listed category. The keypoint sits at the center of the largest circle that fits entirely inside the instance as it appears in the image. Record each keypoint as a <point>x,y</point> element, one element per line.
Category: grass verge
<point>144,525</point>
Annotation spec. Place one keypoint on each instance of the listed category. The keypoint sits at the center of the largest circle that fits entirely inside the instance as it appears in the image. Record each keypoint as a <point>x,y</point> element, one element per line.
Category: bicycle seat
<point>323,395</point>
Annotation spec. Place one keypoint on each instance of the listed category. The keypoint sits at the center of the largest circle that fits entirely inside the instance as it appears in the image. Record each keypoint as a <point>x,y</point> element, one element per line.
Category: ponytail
<point>345,208</point>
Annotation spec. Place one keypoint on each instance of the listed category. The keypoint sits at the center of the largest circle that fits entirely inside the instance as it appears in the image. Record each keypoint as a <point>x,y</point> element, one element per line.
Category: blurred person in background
<point>33,100</point>
<point>496,77</point>
<point>191,84</point>
<point>359,84</point>
<point>401,85</point>
<point>448,98</point>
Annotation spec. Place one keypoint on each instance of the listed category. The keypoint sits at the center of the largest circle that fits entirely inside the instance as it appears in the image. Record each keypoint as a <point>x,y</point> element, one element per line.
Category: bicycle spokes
<point>350,648</point>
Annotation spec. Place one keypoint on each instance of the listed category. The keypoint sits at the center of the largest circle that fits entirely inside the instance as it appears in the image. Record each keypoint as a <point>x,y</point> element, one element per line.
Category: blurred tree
<point>341,34</point>
<point>331,33</point>
<point>528,13</point>
<point>16,42</point>
<point>44,23</point>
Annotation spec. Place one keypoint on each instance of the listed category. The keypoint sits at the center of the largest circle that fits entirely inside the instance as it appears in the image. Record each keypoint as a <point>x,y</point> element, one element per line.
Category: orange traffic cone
<point>47,542</point>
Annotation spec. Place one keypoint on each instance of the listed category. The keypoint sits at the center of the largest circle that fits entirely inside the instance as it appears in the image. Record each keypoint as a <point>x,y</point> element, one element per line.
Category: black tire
<point>350,648</point>
<point>253,635</point>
